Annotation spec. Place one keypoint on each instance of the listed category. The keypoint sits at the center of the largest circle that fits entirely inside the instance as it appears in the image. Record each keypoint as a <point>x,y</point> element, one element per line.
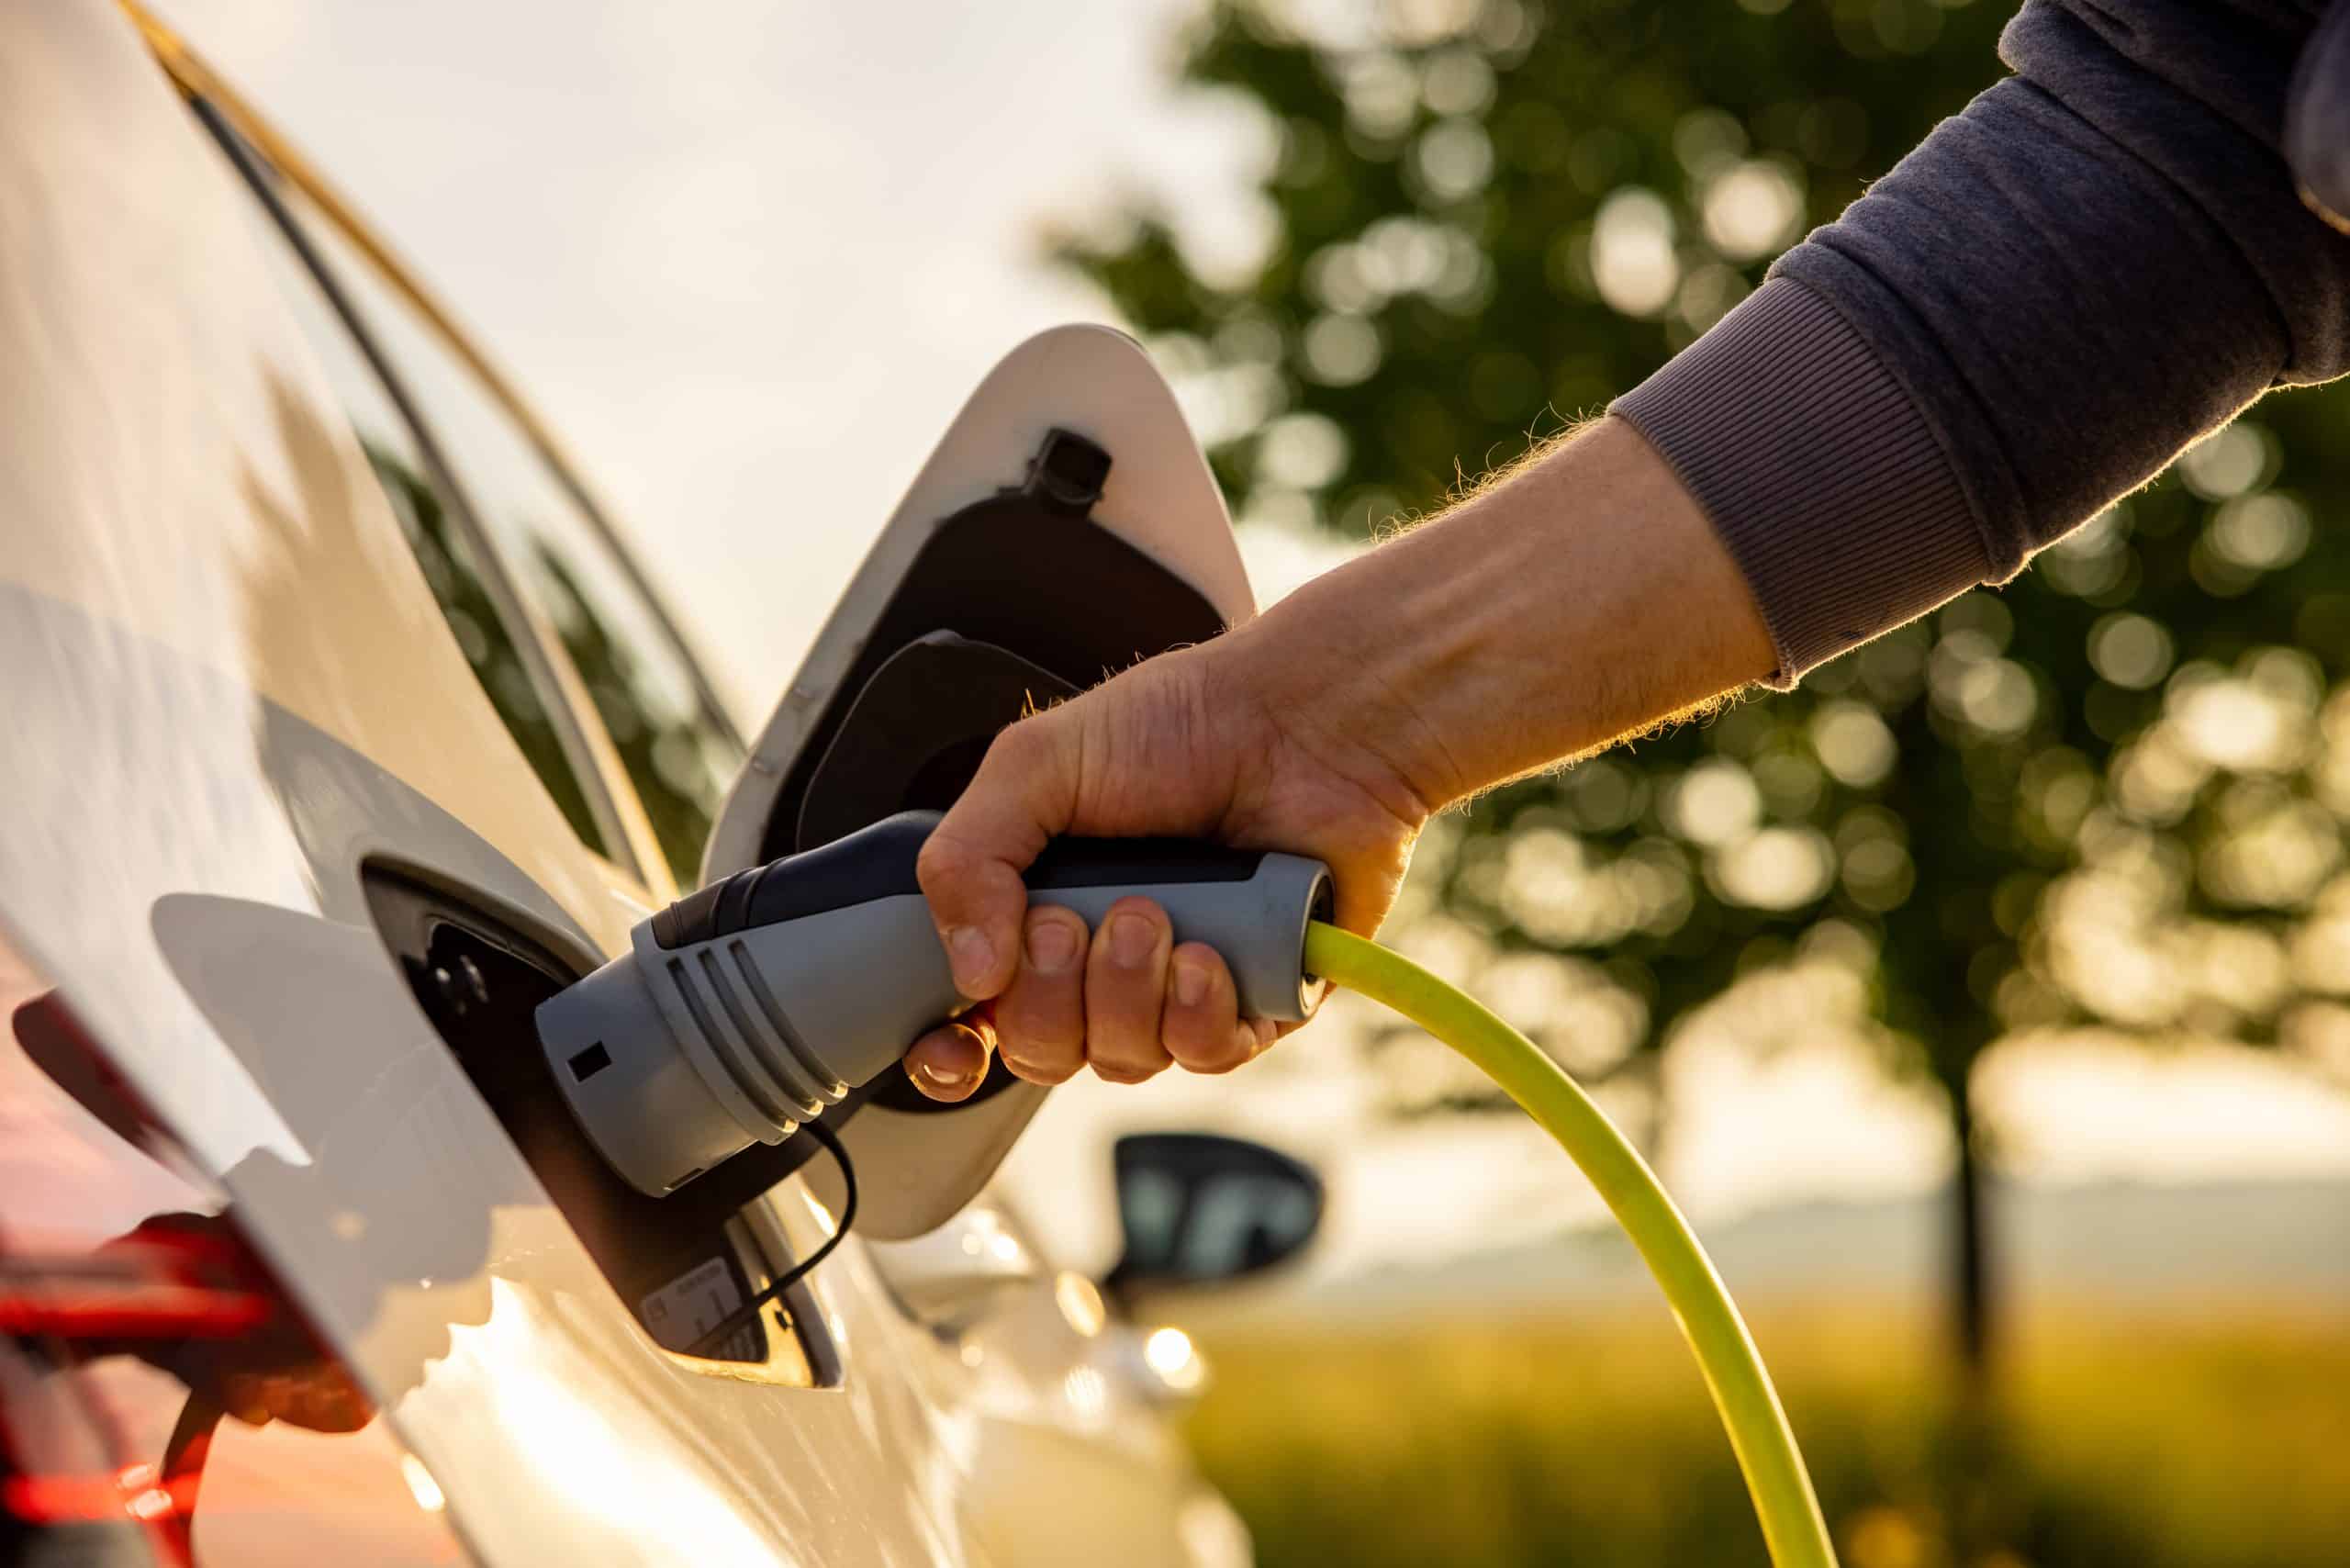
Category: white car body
<point>230,691</point>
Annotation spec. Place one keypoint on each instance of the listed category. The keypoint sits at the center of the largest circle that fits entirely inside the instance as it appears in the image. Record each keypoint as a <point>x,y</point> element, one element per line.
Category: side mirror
<point>1198,1209</point>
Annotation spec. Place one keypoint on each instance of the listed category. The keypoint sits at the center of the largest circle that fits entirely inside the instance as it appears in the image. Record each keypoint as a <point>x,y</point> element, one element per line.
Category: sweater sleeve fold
<point>2100,261</point>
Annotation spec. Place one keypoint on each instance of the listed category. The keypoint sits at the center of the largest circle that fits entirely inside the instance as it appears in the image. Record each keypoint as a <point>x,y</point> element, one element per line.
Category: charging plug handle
<point>760,1001</point>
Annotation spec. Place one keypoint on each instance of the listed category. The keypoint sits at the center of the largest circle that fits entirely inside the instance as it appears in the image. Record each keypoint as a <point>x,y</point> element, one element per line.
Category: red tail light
<point>158,1287</point>
<point>143,1339</point>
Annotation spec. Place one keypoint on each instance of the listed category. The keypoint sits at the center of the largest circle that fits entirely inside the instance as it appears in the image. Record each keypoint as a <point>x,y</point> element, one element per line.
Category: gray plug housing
<point>675,1058</point>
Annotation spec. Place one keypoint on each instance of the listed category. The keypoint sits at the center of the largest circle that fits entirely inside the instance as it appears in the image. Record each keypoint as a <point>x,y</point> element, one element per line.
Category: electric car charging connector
<point>751,1006</point>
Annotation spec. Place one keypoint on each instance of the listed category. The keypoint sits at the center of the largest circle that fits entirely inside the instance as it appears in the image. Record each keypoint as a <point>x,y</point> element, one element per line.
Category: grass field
<point>2188,1441</point>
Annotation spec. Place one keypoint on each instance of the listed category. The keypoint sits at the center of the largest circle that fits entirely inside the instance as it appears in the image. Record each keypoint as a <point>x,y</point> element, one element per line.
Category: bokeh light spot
<point>1715,804</point>
<point>1303,451</point>
<point>1753,209</point>
<point>2260,533</point>
<point>1779,867</point>
<point>1341,350</point>
<point>2231,461</point>
<point>2129,651</point>
<point>1454,159</point>
<point>1853,742</point>
<point>1632,259</point>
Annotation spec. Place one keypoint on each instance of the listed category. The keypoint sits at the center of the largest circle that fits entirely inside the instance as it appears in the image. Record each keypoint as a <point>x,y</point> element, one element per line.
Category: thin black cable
<point>749,1310</point>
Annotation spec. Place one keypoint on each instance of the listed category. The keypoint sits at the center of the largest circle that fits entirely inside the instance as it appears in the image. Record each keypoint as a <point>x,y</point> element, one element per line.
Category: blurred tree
<point>675,759</point>
<point>678,764</point>
<point>456,580</point>
<point>2102,794</point>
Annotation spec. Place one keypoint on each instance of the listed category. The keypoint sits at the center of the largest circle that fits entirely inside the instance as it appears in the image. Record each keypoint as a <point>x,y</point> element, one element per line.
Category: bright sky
<point>750,267</point>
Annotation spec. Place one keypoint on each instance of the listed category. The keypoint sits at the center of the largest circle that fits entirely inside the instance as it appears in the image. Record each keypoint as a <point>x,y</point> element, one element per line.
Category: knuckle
<point>1209,1057</point>
<point>1216,1066</point>
<point>1036,1031</point>
<point>1042,1070</point>
<point>944,861</point>
<point>1042,1010</point>
<point>1019,752</point>
<point>1017,740</point>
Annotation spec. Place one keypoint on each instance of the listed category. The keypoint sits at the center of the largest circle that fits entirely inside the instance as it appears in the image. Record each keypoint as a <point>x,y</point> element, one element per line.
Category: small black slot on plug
<point>587,1064</point>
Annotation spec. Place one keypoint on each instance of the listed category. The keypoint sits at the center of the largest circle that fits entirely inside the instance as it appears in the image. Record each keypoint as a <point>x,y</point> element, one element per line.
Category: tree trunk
<point>1973,1311</point>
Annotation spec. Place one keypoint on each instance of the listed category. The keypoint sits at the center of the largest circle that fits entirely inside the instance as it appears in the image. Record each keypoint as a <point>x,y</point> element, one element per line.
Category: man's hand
<point>1584,598</point>
<point>1208,743</point>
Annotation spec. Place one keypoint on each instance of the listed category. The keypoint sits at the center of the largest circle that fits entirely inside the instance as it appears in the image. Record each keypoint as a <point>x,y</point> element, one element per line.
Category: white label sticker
<point>691,1305</point>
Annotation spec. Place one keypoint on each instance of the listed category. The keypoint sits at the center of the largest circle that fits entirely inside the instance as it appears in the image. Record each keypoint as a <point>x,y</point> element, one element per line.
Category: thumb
<point>1023,794</point>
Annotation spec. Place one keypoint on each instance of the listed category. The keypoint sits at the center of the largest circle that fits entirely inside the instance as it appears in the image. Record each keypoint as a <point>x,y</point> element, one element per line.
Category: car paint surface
<point>227,686</point>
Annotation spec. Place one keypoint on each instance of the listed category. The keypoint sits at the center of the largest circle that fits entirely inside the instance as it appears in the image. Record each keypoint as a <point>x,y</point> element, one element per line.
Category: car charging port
<point>680,1264</point>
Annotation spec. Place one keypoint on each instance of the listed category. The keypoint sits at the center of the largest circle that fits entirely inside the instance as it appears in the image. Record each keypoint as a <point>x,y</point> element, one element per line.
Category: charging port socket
<point>678,1263</point>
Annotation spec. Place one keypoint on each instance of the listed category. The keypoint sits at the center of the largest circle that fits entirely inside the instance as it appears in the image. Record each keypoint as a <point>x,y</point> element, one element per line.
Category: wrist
<point>1300,679</point>
<point>1337,669</point>
<point>1583,598</point>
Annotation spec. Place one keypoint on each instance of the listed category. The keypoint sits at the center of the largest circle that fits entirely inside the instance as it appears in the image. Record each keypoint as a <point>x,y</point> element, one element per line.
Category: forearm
<point>1584,599</point>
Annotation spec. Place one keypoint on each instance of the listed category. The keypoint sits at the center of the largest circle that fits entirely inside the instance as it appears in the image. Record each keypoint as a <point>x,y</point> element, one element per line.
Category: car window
<point>460,582</point>
<point>679,755</point>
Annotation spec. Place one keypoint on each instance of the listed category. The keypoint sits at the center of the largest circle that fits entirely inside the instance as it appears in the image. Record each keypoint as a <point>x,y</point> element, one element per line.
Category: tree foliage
<point>2112,791</point>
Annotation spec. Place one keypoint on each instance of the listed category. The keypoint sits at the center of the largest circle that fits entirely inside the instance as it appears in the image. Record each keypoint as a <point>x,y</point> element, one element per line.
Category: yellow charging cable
<point>1791,1525</point>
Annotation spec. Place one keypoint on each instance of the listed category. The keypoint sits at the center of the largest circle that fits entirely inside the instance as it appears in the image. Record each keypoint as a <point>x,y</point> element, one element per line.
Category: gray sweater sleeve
<point>2102,258</point>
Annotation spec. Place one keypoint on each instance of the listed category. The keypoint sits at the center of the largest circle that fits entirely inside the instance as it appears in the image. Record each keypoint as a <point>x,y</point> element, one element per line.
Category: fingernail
<point>1131,940</point>
<point>1190,982</point>
<point>1052,946</point>
<point>940,1076</point>
<point>972,956</point>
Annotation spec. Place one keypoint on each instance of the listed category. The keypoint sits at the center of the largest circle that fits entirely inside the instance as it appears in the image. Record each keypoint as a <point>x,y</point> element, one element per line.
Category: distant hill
<point>2155,1244</point>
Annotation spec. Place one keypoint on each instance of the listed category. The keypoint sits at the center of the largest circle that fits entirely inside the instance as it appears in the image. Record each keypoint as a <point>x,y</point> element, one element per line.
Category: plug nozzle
<point>639,1098</point>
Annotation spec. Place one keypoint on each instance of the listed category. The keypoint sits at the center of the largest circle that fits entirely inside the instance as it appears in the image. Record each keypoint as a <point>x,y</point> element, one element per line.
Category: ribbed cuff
<point>1819,471</point>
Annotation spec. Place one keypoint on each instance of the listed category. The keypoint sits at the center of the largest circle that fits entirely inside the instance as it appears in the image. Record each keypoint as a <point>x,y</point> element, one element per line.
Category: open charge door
<point>1066,527</point>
